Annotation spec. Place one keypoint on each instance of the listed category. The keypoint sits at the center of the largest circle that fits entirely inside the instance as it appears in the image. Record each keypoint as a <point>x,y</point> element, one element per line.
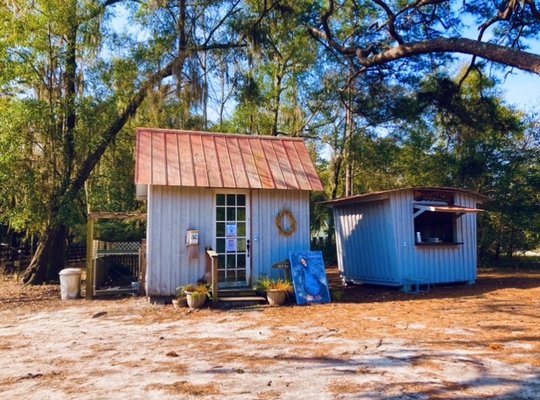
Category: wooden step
<point>243,299</point>
<point>237,292</point>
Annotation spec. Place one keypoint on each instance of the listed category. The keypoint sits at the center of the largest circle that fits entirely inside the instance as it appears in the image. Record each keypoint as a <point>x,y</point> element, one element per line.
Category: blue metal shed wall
<point>269,246</point>
<point>365,242</point>
<point>438,263</point>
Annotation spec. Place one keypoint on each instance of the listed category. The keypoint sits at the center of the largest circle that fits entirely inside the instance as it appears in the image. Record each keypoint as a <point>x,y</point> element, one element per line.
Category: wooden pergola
<point>91,219</point>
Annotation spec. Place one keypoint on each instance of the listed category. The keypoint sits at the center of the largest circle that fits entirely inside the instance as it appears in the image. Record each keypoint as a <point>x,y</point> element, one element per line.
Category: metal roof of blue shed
<point>385,194</point>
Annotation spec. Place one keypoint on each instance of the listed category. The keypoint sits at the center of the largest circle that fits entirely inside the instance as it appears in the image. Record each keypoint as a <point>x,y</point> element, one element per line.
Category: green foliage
<point>120,231</point>
<point>196,290</point>
<point>514,263</point>
<point>413,123</point>
<point>460,136</point>
<point>280,56</point>
<point>265,284</point>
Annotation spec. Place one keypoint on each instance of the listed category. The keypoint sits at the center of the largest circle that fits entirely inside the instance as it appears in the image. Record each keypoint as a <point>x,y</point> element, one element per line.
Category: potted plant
<point>276,290</point>
<point>196,295</point>
<point>180,300</point>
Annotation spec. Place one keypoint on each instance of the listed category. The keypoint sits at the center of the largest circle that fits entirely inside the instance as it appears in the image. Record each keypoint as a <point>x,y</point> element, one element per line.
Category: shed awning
<point>459,210</point>
<point>214,160</point>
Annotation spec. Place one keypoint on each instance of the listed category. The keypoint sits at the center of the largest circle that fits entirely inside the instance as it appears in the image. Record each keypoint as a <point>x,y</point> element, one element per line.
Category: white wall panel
<point>174,210</point>
<point>271,247</point>
<point>171,212</point>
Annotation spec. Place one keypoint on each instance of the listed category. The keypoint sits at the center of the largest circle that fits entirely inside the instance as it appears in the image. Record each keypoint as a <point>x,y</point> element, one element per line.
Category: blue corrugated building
<point>402,237</point>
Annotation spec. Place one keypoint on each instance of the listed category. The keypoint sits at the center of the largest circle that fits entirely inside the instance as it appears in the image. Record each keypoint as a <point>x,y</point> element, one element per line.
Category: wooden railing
<point>214,273</point>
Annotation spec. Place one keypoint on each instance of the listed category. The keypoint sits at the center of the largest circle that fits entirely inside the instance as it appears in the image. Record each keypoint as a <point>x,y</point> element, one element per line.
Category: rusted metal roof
<point>216,160</point>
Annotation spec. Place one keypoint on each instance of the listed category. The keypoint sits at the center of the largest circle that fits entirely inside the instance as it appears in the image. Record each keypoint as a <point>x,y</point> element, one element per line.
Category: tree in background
<point>271,73</point>
<point>394,33</point>
<point>72,83</point>
<point>366,83</point>
<point>459,133</point>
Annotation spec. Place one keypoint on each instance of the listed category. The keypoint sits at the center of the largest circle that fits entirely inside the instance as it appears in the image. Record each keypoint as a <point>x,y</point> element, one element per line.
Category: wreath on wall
<point>286,214</point>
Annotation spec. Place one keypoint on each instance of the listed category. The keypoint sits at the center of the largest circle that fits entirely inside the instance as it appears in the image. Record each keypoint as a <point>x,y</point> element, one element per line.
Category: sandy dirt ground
<point>458,341</point>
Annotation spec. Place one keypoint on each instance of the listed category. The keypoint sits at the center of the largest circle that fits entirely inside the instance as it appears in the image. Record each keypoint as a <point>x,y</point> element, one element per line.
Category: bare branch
<point>229,13</point>
<point>331,42</point>
<point>326,34</point>
<point>391,21</point>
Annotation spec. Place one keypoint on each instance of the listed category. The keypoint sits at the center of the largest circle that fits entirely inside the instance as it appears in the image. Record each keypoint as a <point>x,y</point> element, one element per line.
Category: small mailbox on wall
<point>192,237</point>
<point>192,242</point>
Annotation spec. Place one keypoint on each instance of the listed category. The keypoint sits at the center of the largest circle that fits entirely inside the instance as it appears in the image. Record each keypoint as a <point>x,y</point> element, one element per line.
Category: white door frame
<point>248,240</point>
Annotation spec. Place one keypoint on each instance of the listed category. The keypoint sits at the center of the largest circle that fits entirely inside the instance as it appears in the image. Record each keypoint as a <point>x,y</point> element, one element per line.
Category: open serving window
<point>436,224</point>
<point>435,217</point>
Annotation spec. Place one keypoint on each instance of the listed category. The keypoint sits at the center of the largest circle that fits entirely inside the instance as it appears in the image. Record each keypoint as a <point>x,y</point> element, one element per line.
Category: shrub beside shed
<point>404,236</point>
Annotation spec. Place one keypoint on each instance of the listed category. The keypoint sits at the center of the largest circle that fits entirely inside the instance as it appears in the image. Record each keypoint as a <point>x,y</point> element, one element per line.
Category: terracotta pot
<point>276,297</point>
<point>195,299</point>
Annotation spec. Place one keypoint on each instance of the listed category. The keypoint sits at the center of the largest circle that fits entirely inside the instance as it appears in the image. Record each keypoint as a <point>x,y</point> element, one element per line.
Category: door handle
<point>248,247</point>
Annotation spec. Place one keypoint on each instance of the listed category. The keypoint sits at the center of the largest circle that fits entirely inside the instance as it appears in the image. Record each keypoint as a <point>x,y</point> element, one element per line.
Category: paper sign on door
<point>230,230</point>
<point>230,244</point>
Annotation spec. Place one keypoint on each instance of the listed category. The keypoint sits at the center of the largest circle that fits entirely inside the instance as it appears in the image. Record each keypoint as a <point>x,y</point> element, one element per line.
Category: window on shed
<point>435,227</point>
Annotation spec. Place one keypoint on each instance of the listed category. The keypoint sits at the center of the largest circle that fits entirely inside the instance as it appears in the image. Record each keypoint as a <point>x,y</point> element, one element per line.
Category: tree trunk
<point>336,171</point>
<point>278,79</point>
<point>49,257</point>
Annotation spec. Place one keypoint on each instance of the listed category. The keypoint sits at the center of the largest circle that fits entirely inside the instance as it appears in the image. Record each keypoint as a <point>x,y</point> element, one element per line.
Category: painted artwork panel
<point>309,277</point>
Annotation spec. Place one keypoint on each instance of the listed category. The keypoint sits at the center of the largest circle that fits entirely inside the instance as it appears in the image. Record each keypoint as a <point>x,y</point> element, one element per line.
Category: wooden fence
<point>16,259</point>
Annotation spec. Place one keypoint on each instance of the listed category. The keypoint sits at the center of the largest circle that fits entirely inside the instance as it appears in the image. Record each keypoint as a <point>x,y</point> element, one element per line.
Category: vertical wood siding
<point>271,247</point>
<point>437,264</point>
<point>376,243</point>
<point>365,242</point>
<point>173,210</point>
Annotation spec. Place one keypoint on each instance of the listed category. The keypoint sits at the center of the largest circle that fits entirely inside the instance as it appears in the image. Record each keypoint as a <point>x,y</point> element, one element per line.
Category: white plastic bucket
<point>70,283</point>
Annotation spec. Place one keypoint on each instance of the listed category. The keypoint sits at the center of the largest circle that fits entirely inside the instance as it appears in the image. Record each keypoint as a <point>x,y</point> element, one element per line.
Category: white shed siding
<point>439,263</point>
<point>173,210</point>
<point>268,246</point>
<point>365,242</point>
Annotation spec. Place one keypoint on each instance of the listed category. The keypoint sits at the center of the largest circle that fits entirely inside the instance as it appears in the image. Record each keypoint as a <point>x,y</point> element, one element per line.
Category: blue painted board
<point>309,277</point>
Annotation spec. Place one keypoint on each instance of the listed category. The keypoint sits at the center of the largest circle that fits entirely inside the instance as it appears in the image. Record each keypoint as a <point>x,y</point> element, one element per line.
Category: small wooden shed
<point>246,197</point>
<point>398,237</point>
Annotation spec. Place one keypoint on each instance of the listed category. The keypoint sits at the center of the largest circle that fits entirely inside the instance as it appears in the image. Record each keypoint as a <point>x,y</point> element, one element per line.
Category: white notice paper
<point>230,244</point>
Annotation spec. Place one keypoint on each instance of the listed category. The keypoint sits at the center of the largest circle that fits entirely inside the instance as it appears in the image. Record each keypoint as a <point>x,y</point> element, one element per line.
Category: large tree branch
<point>110,133</point>
<point>112,130</point>
<point>501,54</point>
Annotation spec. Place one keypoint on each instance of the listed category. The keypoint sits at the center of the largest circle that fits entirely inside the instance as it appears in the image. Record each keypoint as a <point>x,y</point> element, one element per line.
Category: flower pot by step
<point>276,297</point>
<point>195,299</point>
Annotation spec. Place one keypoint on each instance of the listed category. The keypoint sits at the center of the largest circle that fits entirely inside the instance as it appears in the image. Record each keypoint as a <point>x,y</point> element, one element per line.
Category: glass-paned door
<point>232,239</point>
